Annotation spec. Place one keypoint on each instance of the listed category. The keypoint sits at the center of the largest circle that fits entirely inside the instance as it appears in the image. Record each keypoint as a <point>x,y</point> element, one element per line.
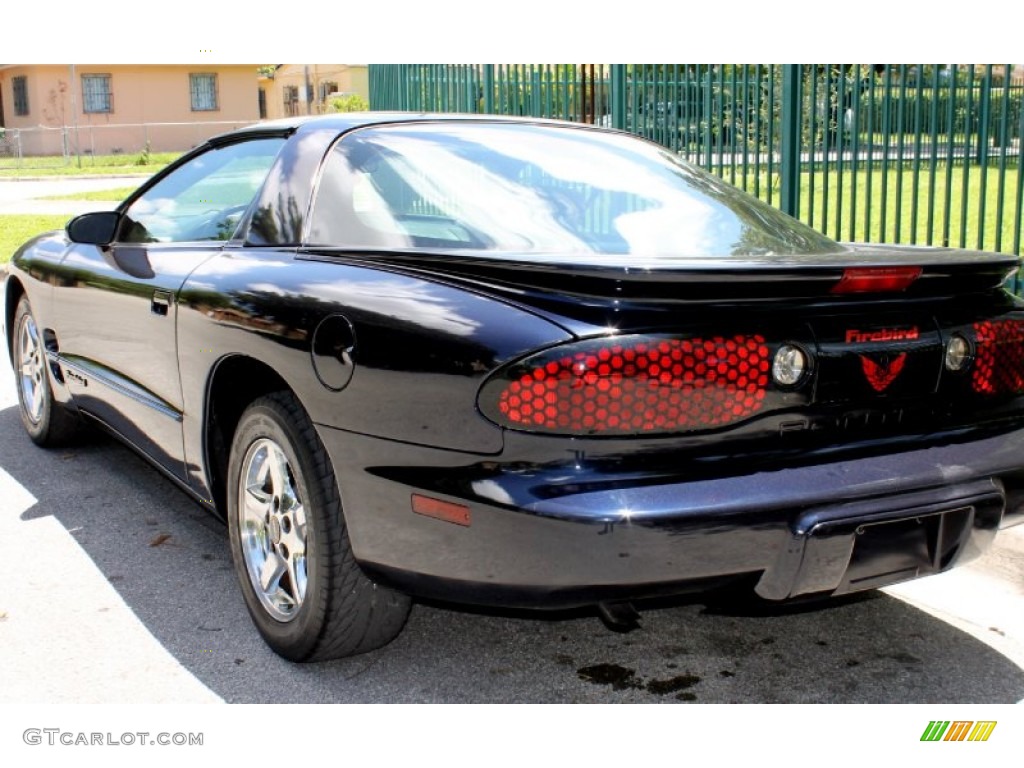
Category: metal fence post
<point>789,160</point>
<point>489,89</point>
<point>617,96</point>
<point>404,84</point>
<point>985,108</point>
<point>708,139</point>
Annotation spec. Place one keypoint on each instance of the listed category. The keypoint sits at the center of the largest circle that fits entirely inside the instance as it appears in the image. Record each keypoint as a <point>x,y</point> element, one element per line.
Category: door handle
<point>161,303</point>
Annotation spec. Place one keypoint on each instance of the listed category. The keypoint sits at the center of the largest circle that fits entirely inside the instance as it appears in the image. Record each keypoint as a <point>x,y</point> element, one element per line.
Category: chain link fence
<point>64,146</point>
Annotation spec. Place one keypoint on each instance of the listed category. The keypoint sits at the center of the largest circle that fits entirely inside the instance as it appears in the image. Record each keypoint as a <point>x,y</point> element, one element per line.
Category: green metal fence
<point>925,154</point>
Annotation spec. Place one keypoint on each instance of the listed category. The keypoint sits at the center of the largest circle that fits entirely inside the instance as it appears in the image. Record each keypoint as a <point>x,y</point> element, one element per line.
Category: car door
<point>115,306</point>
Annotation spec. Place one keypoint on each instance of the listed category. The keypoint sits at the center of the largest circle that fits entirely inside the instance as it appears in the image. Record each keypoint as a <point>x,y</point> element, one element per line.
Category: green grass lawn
<point>872,206</point>
<point>956,211</point>
<point>15,230</point>
<point>113,195</point>
<point>99,165</point>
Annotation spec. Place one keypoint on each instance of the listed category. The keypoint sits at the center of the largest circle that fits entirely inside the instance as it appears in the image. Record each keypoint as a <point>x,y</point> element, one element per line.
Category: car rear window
<point>514,188</point>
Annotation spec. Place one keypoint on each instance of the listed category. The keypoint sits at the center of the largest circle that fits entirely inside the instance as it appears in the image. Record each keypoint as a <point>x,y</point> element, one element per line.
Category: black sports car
<point>523,363</point>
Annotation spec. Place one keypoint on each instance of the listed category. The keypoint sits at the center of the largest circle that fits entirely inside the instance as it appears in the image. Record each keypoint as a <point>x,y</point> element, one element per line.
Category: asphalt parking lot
<point>125,593</point>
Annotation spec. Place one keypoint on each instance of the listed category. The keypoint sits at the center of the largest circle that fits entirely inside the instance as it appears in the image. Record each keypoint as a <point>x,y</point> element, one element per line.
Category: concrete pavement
<point>68,636</point>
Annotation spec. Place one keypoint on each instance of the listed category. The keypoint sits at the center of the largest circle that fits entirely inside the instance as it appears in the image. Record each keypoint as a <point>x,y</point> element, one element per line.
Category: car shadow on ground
<point>169,561</point>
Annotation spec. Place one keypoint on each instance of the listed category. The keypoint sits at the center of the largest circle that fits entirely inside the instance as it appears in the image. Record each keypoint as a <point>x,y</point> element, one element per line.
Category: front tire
<point>47,422</point>
<point>301,583</point>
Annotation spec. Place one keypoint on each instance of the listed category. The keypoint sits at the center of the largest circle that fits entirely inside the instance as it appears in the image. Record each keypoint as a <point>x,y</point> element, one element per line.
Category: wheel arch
<point>13,291</point>
<point>234,383</point>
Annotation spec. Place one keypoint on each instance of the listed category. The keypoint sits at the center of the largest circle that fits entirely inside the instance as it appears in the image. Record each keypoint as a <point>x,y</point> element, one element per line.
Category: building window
<point>263,104</point>
<point>96,96</point>
<point>291,100</point>
<point>204,92</point>
<point>326,89</point>
<point>20,95</point>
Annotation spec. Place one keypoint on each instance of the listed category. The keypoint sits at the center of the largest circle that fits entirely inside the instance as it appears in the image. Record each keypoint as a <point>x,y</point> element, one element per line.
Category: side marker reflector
<point>442,510</point>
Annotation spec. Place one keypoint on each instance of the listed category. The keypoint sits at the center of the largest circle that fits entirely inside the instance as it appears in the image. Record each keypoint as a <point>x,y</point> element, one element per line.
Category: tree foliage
<point>349,102</point>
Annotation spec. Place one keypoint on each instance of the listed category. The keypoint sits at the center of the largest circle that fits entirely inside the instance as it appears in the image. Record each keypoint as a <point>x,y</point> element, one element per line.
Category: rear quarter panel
<point>421,351</point>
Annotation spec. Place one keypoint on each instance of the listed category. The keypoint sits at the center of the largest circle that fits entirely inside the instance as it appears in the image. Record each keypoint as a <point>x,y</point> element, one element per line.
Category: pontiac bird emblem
<point>879,375</point>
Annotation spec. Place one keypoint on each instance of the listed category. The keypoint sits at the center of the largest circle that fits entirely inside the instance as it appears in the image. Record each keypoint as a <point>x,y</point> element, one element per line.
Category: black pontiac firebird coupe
<point>522,363</point>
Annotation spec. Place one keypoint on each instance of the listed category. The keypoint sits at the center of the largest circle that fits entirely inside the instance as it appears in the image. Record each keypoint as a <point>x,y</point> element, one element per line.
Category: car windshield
<point>506,188</point>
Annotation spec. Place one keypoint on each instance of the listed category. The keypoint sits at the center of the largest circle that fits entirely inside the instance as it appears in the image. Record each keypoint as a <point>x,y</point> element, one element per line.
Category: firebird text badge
<point>881,375</point>
<point>853,336</point>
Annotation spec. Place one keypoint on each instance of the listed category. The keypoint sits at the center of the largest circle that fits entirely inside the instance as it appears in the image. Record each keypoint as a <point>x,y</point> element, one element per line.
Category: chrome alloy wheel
<point>31,369</point>
<point>272,524</point>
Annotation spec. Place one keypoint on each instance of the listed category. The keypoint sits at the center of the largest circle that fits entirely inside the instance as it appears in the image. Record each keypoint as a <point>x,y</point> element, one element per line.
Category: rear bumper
<point>539,536</point>
<point>865,544</point>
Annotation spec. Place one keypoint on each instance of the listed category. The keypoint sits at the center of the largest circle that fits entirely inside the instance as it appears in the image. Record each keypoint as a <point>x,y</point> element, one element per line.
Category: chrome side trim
<point>79,368</point>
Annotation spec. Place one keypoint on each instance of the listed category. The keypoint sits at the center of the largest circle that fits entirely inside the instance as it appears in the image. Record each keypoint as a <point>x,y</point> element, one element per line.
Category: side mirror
<point>94,228</point>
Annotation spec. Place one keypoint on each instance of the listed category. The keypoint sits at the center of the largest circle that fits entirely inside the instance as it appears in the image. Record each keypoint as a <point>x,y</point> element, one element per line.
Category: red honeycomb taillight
<point>999,357</point>
<point>633,385</point>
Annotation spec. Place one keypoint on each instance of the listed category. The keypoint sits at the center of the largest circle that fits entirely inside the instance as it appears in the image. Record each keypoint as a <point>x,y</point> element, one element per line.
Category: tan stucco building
<point>114,108</point>
<point>306,89</point>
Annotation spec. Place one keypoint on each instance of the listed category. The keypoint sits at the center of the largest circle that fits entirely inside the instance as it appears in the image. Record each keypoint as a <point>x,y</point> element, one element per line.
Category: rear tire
<point>47,422</point>
<point>301,583</point>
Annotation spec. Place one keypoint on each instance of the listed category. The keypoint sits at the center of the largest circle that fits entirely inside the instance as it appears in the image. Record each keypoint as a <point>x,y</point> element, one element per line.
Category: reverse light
<point>876,279</point>
<point>632,385</point>
<point>789,366</point>
<point>958,353</point>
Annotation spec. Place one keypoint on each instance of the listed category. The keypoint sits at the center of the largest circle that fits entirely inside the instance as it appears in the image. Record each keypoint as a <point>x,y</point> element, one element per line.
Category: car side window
<point>205,198</point>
